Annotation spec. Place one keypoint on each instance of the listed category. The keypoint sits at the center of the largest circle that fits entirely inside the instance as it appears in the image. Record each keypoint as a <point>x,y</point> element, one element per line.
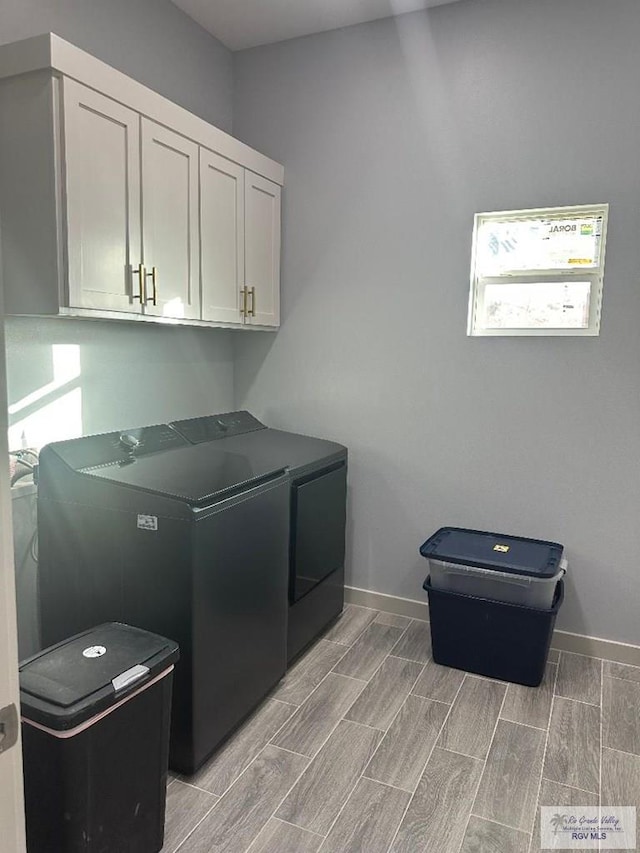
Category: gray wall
<point>393,134</point>
<point>151,40</point>
<point>130,374</point>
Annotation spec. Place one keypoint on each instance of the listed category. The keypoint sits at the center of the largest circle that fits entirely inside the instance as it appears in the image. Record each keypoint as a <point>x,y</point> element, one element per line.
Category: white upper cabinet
<point>240,233</point>
<point>262,250</point>
<point>170,242</point>
<point>115,202</point>
<point>102,157</point>
<point>222,236</point>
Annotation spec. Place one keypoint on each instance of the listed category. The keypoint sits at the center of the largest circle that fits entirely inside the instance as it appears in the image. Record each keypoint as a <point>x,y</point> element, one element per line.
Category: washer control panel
<point>213,427</point>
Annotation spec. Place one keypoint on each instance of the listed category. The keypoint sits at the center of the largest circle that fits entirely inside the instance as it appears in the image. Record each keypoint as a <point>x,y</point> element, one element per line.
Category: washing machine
<point>185,539</point>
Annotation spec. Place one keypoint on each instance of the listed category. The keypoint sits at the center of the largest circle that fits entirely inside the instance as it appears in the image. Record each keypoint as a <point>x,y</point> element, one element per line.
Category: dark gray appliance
<point>318,482</point>
<point>184,540</point>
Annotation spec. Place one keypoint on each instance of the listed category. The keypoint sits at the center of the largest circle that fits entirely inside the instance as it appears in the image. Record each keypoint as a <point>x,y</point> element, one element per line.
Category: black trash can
<point>96,712</point>
<point>493,602</point>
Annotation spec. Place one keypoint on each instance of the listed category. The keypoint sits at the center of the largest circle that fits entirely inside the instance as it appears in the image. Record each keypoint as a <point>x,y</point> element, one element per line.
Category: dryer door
<point>318,520</point>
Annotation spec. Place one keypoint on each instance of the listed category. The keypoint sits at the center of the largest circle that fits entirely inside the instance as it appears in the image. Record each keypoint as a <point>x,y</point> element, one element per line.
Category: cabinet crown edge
<point>50,52</point>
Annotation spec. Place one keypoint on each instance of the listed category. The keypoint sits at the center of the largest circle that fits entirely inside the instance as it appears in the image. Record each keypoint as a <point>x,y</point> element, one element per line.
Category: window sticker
<point>539,244</point>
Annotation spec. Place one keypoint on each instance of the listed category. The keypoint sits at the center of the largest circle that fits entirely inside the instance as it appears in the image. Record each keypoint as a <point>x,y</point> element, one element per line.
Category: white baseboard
<point>563,640</point>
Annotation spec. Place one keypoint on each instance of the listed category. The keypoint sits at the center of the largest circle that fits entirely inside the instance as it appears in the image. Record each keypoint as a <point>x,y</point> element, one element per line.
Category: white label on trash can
<point>148,522</point>
<point>94,652</point>
<point>126,678</point>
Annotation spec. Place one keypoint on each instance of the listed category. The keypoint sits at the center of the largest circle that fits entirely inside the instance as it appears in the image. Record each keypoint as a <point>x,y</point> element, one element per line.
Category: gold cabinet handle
<point>142,273</point>
<point>154,282</point>
<point>252,312</point>
<point>243,301</point>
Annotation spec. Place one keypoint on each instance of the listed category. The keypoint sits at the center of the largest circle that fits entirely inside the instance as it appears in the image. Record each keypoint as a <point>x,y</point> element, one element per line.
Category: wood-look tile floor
<point>368,746</point>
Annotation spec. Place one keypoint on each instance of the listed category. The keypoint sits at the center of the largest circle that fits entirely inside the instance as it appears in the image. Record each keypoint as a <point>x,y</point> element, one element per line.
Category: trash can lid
<point>67,684</point>
<point>512,554</point>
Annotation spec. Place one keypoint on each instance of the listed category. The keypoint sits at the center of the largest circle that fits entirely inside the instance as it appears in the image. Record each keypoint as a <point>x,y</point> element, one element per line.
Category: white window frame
<point>592,274</point>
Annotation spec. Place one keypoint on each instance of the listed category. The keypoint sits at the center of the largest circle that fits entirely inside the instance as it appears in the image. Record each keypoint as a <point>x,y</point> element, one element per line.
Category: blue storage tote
<point>493,602</point>
<point>495,565</point>
<point>493,638</point>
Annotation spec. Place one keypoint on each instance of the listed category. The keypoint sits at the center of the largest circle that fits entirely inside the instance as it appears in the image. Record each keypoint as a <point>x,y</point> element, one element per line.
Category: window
<point>538,272</point>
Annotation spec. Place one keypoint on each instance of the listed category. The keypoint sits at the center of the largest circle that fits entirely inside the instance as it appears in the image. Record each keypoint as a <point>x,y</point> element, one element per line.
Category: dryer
<point>186,540</point>
<point>317,471</point>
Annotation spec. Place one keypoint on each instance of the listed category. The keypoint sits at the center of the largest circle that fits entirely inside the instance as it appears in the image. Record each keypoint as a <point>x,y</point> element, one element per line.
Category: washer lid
<point>198,475</point>
<point>514,554</point>
<point>72,681</point>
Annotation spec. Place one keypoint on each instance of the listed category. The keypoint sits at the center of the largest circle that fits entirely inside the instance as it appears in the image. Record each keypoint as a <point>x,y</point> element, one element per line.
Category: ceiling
<point>239,24</point>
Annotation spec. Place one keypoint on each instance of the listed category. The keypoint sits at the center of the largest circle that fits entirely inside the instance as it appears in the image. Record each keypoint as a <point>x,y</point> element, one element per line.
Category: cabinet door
<point>170,240</point>
<point>102,165</point>
<point>262,250</point>
<point>222,237</point>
